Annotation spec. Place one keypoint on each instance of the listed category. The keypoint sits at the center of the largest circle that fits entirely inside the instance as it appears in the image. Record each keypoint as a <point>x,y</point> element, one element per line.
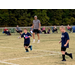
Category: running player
<point>36,28</point>
<point>26,37</point>
<point>64,43</point>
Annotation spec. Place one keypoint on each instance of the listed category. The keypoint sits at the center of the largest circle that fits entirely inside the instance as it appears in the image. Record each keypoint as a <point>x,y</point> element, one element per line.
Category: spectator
<point>55,29</point>
<point>69,28</point>
<point>19,30</point>
<point>48,32</point>
<point>44,30</point>
<point>6,31</point>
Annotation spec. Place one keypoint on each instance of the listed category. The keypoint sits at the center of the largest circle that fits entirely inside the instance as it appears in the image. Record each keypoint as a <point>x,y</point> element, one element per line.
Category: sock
<point>33,39</point>
<point>29,46</point>
<point>67,54</point>
<point>63,56</point>
<point>26,49</point>
<point>38,40</point>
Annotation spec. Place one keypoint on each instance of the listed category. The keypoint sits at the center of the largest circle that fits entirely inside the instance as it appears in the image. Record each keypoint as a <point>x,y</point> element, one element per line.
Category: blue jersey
<point>26,41</point>
<point>64,39</point>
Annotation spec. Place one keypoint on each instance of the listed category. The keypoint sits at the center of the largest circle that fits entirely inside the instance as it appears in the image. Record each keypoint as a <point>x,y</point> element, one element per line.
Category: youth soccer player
<point>26,37</point>
<point>64,43</point>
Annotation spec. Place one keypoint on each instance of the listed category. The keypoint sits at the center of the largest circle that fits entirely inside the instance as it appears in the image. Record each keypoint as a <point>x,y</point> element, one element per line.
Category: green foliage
<point>42,15</point>
<point>48,17</point>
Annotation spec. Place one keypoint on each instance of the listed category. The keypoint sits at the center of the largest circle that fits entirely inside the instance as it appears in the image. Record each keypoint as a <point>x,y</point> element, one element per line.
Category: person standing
<point>36,26</point>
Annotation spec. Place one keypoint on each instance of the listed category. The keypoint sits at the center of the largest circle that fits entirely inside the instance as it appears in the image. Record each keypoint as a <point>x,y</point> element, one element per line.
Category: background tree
<point>48,17</point>
<point>42,15</point>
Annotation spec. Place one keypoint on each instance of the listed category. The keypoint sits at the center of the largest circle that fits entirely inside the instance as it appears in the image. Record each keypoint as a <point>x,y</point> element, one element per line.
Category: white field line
<point>49,51</point>
<point>4,61</point>
<point>28,57</point>
<point>6,47</point>
<point>34,49</point>
<point>8,63</point>
<point>23,48</point>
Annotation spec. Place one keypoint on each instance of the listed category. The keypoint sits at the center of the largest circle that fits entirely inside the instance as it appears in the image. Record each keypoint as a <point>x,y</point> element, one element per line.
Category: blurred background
<point>48,17</point>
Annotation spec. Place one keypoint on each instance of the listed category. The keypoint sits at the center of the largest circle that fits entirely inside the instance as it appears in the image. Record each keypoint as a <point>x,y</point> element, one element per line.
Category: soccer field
<point>47,52</point>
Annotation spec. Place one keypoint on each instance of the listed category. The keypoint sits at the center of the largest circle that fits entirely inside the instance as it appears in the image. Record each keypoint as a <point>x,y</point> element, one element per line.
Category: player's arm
<point>66,43</point>
<point>60,41</point>
<point>39,25</point>
<point>67,37</point>
<point>19,37</point>
<point>29,36</point>
<point>32,25</point>
<point>16,29</point>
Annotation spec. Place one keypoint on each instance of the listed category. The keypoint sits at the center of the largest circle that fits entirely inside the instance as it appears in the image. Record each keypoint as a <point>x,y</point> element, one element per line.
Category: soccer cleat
<point>71,56</point>
<point>64,60</point>
<point>27,51</point>
<point>31,48</point>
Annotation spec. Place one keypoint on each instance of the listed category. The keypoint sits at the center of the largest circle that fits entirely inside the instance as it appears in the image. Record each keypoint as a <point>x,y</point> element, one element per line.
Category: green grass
<point>47,52</point>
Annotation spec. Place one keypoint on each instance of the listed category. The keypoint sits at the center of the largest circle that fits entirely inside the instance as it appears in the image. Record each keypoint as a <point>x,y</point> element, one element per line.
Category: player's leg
<point>18,32</point>
<point>56,30</point>
<point>30,47</point>
<point>44,31</point>
<point>38,38</point>
<point>33,37</point>
<point>21,32</point>
<point>38,34</point>
<point>69,54</point>
<point>63,53</point>
<point>26,47</point>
